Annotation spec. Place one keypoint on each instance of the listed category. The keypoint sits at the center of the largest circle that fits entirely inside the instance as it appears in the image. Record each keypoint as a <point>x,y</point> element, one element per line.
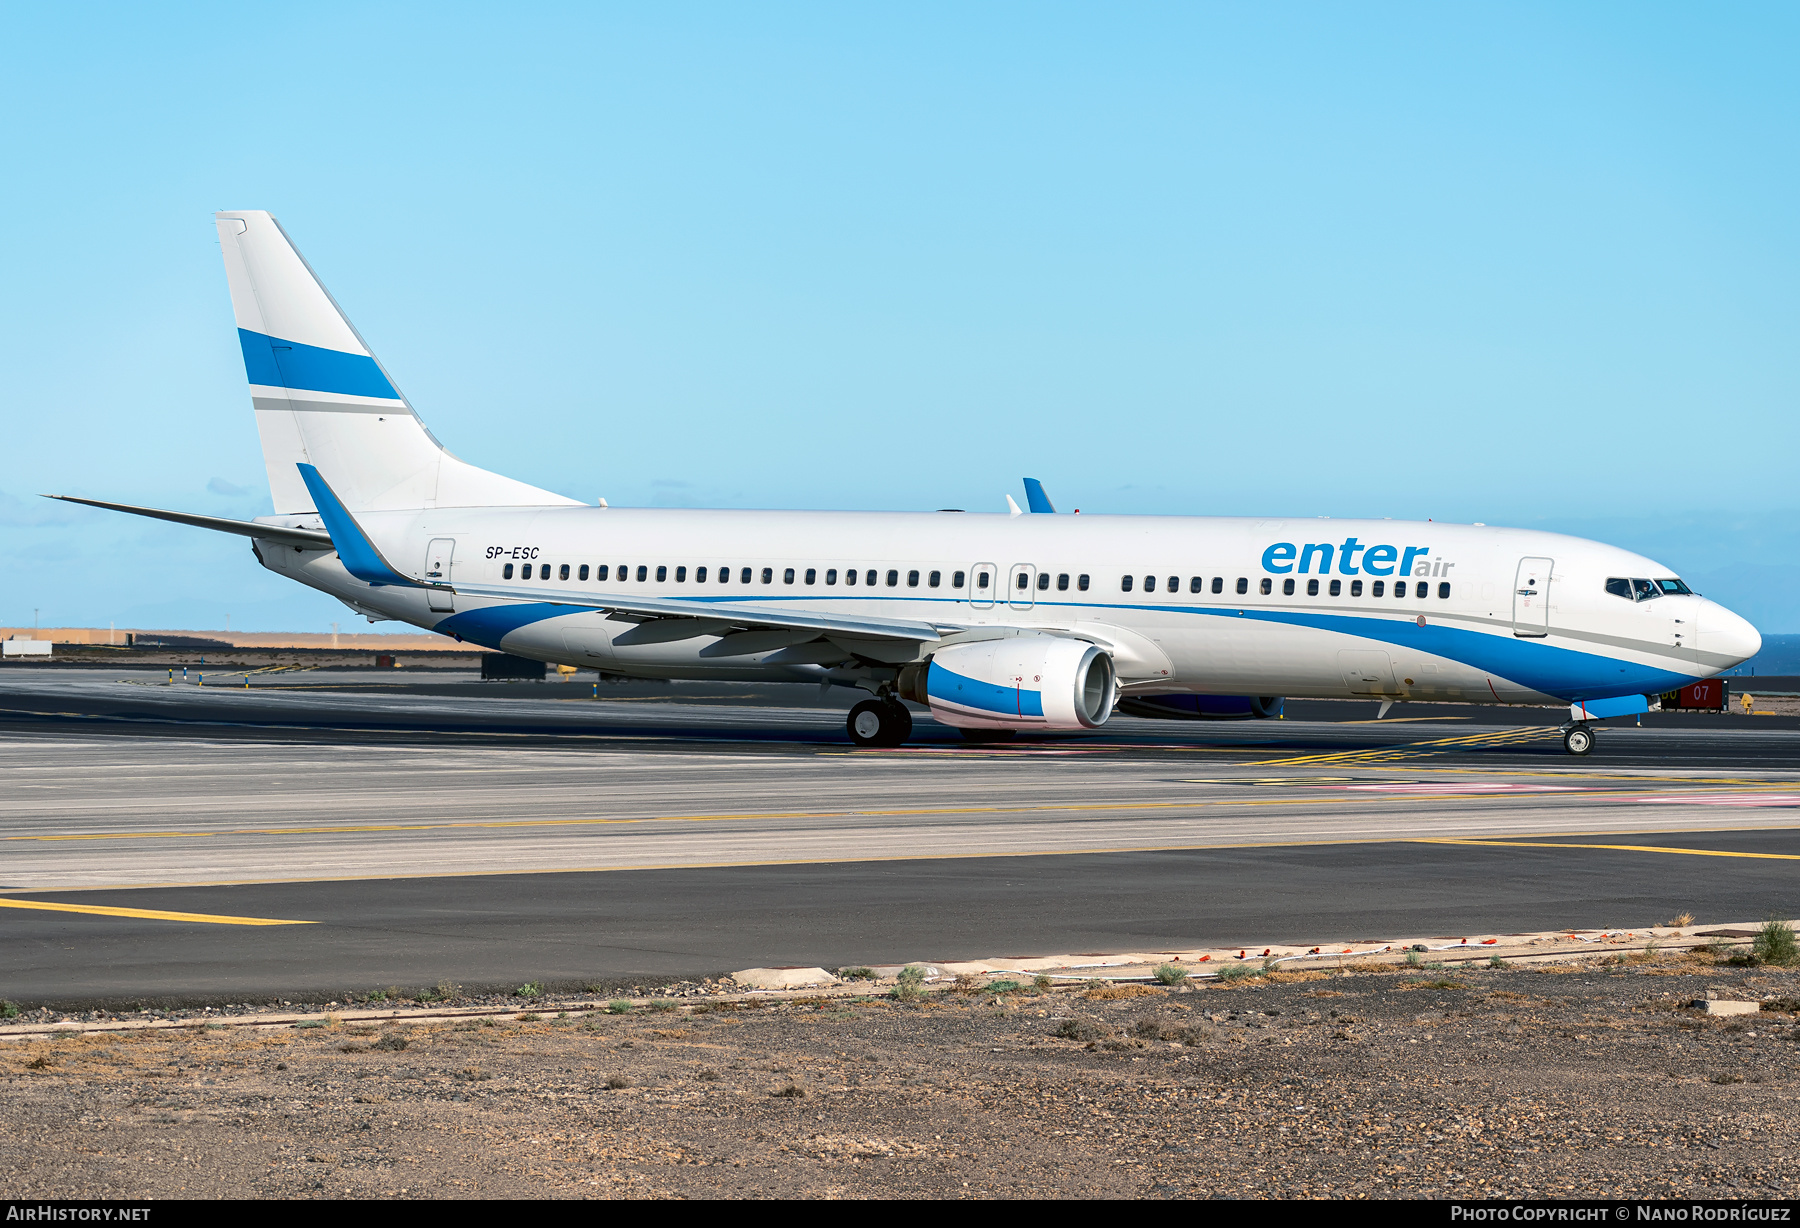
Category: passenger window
<point>1243,585</point>
<point>643,573</point>
<point>1378,588</point>
<point>1287,587</point>
<point>768,575</point>
<point>893,578</point>
<point>563,572</point>
<point>1444,591</point>
<point>787,577</point>
<point>1337,586</point>
<point>1173,584</point>
<point>506,572</point>
<point>681,575</point>
<point>812,575</point>
<point>600,572</point>
<point>935,578</point>
<point>981,579</point>
<point>1218,584</point>
<point>662,575</point>
<point>1043,581</point>
<point>1149,584</point>
<point>1643,590</point>
<point>544,572</point>
<point>1062,582</point>
<point>1400,588</point>
<point>582,574</point>
<point>1268,586</point>
<point>1196,584</point>
<point>1422,589</point>
<point>912,579</point>
<point>724,575</point>
<point>1356,588</point>
<point>869,577</point>
<point>1124,584</point>
<point>956,579</point>
<point>1312,588</point>
<point>1619,586</point>
<point>699,575</point>
<point>1081,582</point>
<point>831,575</point>
<point>850,576</point>
<point>744,576</point>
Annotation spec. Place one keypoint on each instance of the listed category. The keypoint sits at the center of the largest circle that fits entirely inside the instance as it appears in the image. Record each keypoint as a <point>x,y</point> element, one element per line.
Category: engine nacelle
<point>1021,682</point>
<point>1203,707</point>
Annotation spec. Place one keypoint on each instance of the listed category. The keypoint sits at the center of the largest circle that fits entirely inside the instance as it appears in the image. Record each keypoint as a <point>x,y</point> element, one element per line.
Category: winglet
<point>354,549</point>
<point>1012,508</point>
<point>1035,498</point>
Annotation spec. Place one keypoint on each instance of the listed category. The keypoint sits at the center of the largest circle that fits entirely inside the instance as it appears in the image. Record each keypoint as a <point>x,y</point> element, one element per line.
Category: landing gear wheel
<point>1578,739</point>
<point>879,722</point>
<point>988,735</point>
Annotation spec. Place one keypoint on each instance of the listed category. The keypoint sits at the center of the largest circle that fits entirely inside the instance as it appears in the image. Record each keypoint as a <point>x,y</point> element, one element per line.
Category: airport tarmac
<point>429,828</point>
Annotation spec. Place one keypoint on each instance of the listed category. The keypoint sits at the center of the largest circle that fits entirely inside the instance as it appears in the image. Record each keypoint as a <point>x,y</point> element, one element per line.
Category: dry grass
<point>1296,977</point>
<point>1112,993</point>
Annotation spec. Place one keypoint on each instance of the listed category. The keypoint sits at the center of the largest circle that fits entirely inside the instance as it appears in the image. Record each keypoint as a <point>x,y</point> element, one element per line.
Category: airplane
<point>995,624</point>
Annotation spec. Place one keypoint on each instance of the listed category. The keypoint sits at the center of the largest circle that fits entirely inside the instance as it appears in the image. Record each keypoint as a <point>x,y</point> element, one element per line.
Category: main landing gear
<point>1578,739</point>
<point>879,722</point>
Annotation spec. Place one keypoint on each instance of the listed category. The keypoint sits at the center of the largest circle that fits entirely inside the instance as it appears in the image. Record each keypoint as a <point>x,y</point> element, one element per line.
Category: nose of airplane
<point>1725,634</point>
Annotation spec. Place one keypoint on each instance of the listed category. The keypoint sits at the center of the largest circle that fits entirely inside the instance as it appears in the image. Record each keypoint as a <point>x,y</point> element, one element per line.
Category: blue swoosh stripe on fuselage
<point>1561,672</point>
<point>489,626</point>
<point>275,363</point>
<point>966,692</point>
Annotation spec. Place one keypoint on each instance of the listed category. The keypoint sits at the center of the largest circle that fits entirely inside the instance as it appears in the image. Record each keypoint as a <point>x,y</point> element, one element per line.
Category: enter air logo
<point>1352,558</point>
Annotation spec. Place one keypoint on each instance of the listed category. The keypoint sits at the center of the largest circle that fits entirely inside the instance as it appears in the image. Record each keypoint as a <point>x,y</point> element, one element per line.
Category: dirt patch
<point>1595,1082</point>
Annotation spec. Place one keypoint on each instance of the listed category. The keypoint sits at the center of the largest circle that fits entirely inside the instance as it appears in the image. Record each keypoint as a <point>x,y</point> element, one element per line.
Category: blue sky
<point>1528,264</point>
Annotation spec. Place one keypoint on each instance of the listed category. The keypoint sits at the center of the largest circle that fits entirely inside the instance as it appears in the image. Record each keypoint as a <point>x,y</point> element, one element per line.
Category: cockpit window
<point>1638,589</point>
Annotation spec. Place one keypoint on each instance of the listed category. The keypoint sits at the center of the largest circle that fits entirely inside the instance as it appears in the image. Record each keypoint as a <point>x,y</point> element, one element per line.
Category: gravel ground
<point>1589,1081</point>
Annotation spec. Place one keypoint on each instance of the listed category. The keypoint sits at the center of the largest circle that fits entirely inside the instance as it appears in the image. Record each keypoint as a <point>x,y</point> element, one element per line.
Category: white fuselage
<point>1477,621</point>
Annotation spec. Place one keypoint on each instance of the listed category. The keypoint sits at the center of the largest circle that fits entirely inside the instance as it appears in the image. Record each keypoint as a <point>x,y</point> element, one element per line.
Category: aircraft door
<point>1368,671</point>
<point>984,578</point>
<point>1531,599</point>
<point>438,558</point>
<point>1021,586</point>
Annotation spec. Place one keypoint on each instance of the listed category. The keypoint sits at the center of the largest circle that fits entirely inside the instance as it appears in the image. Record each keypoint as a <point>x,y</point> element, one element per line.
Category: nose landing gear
<point>879,722</point>
<point>1578,738</point>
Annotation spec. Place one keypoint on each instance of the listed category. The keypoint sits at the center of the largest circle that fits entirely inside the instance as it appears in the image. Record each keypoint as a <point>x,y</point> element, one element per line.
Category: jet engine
<point>1021,682</point>
<point>1203,707</point>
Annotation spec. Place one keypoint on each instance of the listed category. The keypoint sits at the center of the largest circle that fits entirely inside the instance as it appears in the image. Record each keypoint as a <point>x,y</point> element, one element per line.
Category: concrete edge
<point>1557,946</point>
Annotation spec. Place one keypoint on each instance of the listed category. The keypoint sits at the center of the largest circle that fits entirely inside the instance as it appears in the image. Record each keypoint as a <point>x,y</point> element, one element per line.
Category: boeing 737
<point>995,624</point>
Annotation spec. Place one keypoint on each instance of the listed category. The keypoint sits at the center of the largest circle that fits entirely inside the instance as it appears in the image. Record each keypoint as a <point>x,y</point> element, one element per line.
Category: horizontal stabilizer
<point>244,528</point>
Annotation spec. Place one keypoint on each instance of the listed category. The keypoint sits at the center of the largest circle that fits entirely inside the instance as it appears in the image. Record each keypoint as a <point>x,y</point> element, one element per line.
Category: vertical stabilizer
<point>322,399</point>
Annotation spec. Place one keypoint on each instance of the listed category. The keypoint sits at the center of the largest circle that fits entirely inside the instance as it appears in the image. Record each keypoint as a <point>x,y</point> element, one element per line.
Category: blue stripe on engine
<point>288,364</point>
<point>489,626</point>
<point>954,688</point>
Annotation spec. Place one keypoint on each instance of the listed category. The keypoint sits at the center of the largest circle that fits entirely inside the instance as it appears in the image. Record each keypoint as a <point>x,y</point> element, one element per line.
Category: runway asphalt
<point>433,828</point>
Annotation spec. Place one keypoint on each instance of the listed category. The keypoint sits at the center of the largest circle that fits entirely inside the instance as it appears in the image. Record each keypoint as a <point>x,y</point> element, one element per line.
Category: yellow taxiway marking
<point>1334,799</point>
<point>1411,750</point>
<point>893,857</point>
<point>1617,848</point>
<point>146,914</point>
<point>1337,796</point>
